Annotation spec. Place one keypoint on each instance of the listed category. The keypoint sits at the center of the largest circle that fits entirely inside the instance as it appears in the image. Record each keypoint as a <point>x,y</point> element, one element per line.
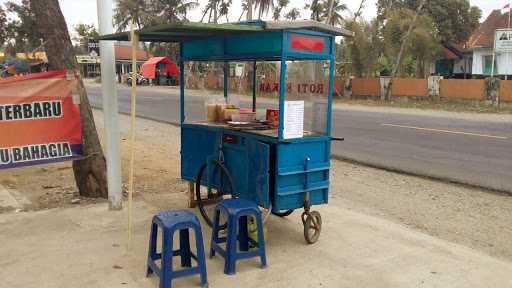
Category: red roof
<point>124,52</point>
<point>448,54</point>
<point>483,37</point>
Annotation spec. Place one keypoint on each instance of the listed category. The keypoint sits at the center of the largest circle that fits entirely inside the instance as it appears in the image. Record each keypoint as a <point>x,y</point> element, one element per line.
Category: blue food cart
<point>283,165</point>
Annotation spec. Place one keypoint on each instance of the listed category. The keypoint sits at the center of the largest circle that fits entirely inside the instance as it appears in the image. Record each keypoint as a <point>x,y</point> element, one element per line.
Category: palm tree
<point>169,11</point>
<point>317,9</point>
<point>263,6</point>
<point>293,14</point>
<point>224,8</point>
<point>218,8</point>
<point>281,4</point>
<point>335,16</point>
<point>212,8</point>
<point>127,10</point>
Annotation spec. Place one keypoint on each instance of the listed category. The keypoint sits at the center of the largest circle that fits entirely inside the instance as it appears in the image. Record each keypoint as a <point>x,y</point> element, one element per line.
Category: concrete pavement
<point>460,147</point>
<point>87,247</point>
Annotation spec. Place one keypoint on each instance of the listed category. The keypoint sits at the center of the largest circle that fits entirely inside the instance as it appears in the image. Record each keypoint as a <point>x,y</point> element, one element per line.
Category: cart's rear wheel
<point>283,213</point>
<point>312,227</point>
<point>206,201</point>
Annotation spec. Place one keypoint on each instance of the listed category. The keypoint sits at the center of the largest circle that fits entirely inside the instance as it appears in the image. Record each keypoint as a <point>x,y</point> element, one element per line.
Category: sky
<point>84,11</point>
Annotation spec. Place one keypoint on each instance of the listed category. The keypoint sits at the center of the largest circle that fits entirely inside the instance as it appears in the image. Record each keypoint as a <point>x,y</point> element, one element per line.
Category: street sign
<point>503,40</point>
<point>93,47</point>
<point>86,59</point>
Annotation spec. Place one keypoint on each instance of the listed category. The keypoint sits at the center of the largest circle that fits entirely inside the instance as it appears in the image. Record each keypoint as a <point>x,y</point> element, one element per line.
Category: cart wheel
<point>312,227</point>
<point>283,213</point>
<point>204,199</point>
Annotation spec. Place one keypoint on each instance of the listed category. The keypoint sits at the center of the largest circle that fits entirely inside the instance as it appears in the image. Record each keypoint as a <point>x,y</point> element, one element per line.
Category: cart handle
<point>337,139</point>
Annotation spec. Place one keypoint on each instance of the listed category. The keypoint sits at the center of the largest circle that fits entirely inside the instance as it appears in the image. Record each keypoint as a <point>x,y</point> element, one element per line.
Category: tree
<point>263,6</point>
<point>281,4</point>
<point>224,8</point>
<point>212,7</point>
<point>126,10</point>
<point>85,33</point>
<point>317,9</point>
<point>423,46</point>
<point>22,32</point>
<point>361,55</point>
<point>454,20</point>
<point>293,14</point>
<point>170,11</point>
<point>3,28</point>
<point>333,15</point>
<point>90,172</point>
<point>403,46</point>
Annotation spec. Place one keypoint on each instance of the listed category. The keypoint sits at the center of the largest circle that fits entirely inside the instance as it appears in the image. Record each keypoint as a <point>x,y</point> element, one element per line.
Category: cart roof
<point>183,32</point>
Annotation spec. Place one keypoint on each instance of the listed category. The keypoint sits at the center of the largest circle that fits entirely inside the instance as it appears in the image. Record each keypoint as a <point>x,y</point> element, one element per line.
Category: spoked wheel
<point>312,226</point>
<point>208,197</point>
<point>283,213</point>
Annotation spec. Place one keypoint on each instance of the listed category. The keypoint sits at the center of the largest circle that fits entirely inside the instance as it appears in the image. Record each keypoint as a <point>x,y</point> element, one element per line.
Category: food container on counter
<point>273,117</point>
<point>261,114</point>
<point>247,116</point>
<point>211,111</point>
<point>229,112</point>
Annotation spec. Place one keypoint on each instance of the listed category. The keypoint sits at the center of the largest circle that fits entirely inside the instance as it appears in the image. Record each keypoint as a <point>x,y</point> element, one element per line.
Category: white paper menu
<point>293,119</point>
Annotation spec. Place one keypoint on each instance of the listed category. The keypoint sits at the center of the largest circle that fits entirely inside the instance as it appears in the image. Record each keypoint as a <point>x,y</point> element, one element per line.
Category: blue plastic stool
<point>237,211</point>
<point>171,221</point>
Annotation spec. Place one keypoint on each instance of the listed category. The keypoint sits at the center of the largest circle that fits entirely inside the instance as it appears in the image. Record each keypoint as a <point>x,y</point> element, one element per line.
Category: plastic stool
<point>237,211</point>
<point>169,222</point>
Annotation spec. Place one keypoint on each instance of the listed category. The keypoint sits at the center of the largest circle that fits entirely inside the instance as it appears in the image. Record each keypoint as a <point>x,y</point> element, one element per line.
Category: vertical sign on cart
<point>39,120</point>
<point>293,119</point>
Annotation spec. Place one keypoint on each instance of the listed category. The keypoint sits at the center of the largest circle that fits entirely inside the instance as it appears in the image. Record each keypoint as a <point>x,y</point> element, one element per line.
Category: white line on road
<point>446,131</point>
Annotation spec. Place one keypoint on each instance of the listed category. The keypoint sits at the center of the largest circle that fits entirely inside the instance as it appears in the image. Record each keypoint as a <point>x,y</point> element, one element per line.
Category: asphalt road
<point>467,150</point>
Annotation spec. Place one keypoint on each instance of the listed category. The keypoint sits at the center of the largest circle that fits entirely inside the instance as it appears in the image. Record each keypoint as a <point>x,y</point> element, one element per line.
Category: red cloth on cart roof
<point>148,69</point>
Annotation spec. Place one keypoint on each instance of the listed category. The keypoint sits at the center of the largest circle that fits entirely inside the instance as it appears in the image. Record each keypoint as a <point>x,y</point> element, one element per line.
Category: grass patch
<point>443,104</point>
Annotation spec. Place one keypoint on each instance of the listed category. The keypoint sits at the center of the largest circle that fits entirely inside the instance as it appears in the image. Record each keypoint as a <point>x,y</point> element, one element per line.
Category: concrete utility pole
<point>110,108</point>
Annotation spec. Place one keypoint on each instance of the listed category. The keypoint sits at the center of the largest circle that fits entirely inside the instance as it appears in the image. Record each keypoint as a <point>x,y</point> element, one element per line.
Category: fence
<point>410,88</point>
<point>366,87</point>
<point>463,89</point>
<point>506,91</point>
<point>467,89</point>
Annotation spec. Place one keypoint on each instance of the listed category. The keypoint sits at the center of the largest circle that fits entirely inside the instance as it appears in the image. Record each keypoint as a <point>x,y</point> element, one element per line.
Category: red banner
<point>39,120</point>
<point>307,43</point>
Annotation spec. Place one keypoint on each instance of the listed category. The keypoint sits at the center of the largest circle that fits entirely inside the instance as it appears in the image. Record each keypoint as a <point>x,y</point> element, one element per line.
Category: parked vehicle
<point>140,80</point>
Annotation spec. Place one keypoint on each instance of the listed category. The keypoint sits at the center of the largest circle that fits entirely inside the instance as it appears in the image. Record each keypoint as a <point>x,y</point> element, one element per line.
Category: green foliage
<point>293,14</point>
<point>84,32</point>
<point>337,10</point>
<point>453,20</point>
<point>423,46</point>
<point>21,34</point>
<point>263,6</point>
<point>281,4</point>
<point>361,53</point>
<point>3,28</point>
<point>151,12</point>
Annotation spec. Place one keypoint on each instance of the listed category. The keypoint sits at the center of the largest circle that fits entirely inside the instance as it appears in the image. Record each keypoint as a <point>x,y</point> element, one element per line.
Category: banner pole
<point>134,41</point>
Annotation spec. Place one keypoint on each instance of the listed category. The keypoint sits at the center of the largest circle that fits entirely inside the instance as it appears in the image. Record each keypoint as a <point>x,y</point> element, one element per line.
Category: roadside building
<point>90,64</point>
<point>481,43</point>
<point>455,62</point>
<point>473,59</point>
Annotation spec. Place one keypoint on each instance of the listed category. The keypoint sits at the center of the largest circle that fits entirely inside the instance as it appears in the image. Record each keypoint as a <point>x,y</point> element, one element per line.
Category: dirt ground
<point>471,217</point>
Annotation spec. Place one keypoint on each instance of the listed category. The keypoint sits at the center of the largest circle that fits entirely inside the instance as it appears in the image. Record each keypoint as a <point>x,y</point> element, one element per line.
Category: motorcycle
<point>140,80</point>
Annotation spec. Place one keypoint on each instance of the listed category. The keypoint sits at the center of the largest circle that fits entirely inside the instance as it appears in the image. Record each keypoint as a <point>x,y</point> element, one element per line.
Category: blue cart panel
<point>273,174</point>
